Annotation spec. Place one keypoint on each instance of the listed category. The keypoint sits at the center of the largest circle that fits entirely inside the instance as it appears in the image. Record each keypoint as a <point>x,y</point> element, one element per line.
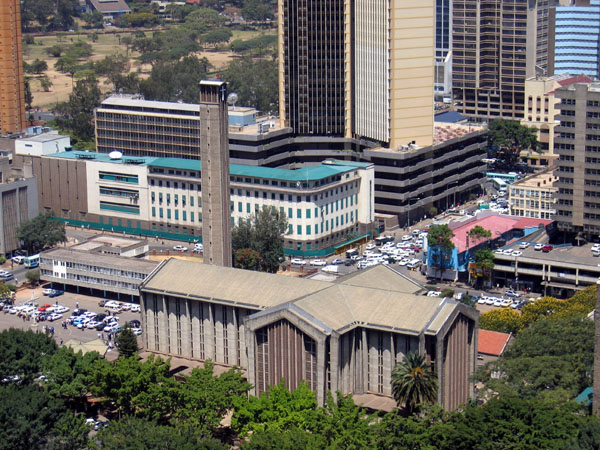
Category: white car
<point>498,302</point>
<point>595,247</point>
<point>199,247</point>
<point>298,261</point>
<point>517,253</point>
<point>434,294</point>
<point>524,245</point>
<point>403,261</point>
<point>506,302</point>
<point>538,246</point>
<point>92,324</point>
<point>54,316</point>
<point>490,300</point>
<point>180,248</point>
<point>137,331</point>
<point>318,262</point>
<point>370,246</point>
<point>60,309</point>
<point>481,301</point>
<point>406,237</point>
<point>47,291</point>
<point>18,259</point>
<point>135,308</point>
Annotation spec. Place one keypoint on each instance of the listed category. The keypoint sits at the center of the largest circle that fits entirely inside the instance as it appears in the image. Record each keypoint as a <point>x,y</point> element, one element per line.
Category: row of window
<point>90,268</point>
<point>530,193</point>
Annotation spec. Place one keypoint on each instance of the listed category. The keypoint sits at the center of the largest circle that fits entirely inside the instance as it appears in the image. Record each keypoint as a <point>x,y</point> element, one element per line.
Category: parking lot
<point>71,301</point>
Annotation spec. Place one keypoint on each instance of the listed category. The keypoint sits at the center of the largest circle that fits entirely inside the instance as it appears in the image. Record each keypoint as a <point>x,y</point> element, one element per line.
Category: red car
<point>44,307</point>
<point>547,248</point>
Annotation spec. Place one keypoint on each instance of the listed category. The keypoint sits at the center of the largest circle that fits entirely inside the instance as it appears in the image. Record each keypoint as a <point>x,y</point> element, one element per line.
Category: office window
<point>290,230</point>
<point>176,214</point>
<point>316,212</point>
<point>308,229</point>
<point>191,200</point>
<point>160,212</point>
<point>308,213</point>
<point>184,215</point>
<point>231,205</point>
<point>152,196</point>
<point>351,200</point>
<point>290,213</point>
<point>183,200</point>
<point>168,213</point>
<point>240,207</point>
<point>191,216</point>
<point>299,213</point>
<point>153,211</point>
<point>299,229</point>
<point>247,207</point>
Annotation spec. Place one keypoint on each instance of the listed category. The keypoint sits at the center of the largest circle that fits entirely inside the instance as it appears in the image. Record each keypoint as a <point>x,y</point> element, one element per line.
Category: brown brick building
<point>12,91</point>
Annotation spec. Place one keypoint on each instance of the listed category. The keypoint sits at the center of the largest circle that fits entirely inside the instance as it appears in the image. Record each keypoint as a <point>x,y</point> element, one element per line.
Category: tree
<point>28,94</point>
<point>55,50</point>
<point>5,293</point>
<point>504,320</point>
<point>175,81</point>
<point>28,416</point>
<point>552,357</point>
<point>22,352</point>
<point>441,246</point>
<point>247,258</point>
<point>279,410</point>
<point>263,233</point>
<point>41,232</point>
<point>33,276</point>
<point>93,19</point>
<point>255,82</point>
<point>70,432</point>
<point>414,382</point>
<point>214,37</point>
<point>204,399</point>
<point>46,84</point>
<point>37,67</point>
<point>510,137</point>
<point>292,439</point>
<point>144,389</point>
<point>136,433</point>
<point>76,115</point>
<point>479,233</point>
<point>127,343</point>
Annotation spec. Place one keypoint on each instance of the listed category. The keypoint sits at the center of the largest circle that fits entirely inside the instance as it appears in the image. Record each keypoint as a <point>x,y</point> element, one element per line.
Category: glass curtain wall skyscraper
<point>577,47</point>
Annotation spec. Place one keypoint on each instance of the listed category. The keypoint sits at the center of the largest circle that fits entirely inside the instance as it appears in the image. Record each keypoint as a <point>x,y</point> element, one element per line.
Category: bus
<point>507,177</point>
<point>32,261</point>
<point>499,184</point>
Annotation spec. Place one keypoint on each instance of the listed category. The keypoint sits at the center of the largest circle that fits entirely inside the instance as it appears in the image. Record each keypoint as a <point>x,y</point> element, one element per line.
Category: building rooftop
<point>450,117</point>
<point>378,298</point>
<point>102,260</point>
<point>110,6</point>
<point>138,102</point>
<point>497,224</point>
<point>492,342</point>
<point>312,173</point>
<point>543,179</point>
<point>44,137</point>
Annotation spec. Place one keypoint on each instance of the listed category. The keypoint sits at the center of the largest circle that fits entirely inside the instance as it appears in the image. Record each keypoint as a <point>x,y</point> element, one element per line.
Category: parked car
<point>318,262</point>
<point>538,247</point>
<point>137,331</point>
<point>180,248</point>
<point>18,259</point>
<point>56,293</point>
<point>524,245</point>
<point>512,293</point>
<point>134,323</point>
<point>55,316</point>
<point>135,308</point>
<point>298,261</point>
<point>47,291</point>
<point>517,253</point>
<point>547,248</point>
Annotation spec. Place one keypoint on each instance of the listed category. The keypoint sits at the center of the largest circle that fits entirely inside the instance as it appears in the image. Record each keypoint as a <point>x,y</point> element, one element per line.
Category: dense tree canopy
<point>41,232</point>
<point>414,382</point>
<point>255,82</point>
<point>263,232</point>
<point>439,239</point>
<point>76,115</point>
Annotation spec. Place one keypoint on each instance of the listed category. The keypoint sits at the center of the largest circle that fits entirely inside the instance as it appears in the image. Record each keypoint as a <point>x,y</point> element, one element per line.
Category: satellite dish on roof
<point>232,99</point>
<point>115,154</point>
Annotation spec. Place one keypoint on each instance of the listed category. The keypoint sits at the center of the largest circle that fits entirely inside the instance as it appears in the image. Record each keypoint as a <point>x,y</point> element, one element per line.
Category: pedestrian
<point>61,341</point>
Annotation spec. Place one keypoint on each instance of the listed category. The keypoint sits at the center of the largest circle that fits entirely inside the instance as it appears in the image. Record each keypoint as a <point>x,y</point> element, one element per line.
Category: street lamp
<point>408,211</point>
<point>454,183</point>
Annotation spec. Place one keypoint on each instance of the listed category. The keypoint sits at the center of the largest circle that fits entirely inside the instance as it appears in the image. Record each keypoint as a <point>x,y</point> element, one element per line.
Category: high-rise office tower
<point>577,142</point>
<point>443,47</point>
<point>577,47</point>
<point>214,154</point>
<point>358,69</point>
<point>496,45</point>
<point>12,90</point>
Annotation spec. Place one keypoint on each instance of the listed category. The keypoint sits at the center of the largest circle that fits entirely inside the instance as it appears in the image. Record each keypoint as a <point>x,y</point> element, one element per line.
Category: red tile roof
<point>581,78</point>
<point>492,342</point>
<point>496,223</point>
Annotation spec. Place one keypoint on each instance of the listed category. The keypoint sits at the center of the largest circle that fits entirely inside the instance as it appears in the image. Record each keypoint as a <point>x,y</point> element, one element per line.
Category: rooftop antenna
<point>232,99</point>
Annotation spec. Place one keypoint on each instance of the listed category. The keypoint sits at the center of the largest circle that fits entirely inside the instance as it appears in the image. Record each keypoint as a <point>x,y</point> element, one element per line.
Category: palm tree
<point>414,382</point>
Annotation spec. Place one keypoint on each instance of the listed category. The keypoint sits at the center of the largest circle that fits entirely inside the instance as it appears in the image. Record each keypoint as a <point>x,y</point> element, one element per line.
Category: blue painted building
<point>577,45</point>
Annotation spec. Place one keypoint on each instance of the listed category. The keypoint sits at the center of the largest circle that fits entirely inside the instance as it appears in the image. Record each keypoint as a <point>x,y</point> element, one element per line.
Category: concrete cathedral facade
<point>346,336</point>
